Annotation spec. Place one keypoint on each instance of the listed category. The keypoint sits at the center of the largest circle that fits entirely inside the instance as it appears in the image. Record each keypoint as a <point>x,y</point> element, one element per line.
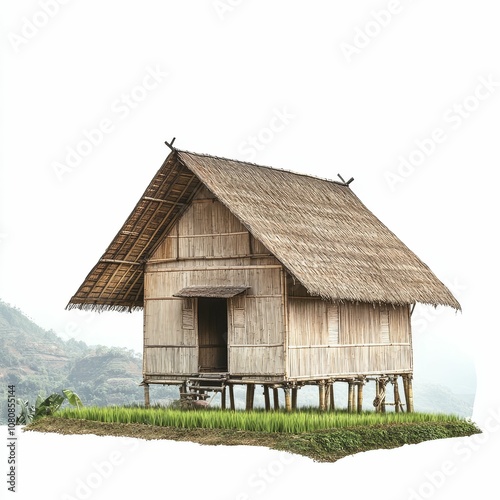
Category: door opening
<point>212,335</point>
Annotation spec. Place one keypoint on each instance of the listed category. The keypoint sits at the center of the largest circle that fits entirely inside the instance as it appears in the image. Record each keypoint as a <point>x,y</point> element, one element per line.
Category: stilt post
<point>360,385</point>
<point>223,398</point>
<point>288,399</point>
<point>267,400</point>
<point>322,387</point>
<point>294,397</point>
<point>327,396</point>
<point>276,398</point>
<point>250,395</point>
<point>231,397</point>
<point>146,395</point>
<point>350,396</point>
<point>397,399</point>
<point>408,392</point>
<point>332,398</point>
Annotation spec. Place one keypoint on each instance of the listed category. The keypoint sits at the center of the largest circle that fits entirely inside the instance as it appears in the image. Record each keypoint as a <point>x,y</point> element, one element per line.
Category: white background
<point>360,84</point>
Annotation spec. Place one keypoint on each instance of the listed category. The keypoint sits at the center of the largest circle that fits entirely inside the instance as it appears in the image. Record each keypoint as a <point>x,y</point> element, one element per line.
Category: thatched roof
<point>318,229</point>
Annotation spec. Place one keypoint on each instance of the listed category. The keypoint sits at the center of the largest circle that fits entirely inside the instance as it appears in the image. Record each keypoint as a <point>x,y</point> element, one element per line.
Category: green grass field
<point>257,421</point>
<point>325,437</point>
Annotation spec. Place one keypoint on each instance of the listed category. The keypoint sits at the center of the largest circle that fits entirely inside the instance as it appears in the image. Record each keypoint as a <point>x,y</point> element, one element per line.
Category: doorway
<point>212,335</point>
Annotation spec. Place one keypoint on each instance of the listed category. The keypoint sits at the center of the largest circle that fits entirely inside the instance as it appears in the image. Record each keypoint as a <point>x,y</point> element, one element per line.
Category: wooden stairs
<point>196,391</point>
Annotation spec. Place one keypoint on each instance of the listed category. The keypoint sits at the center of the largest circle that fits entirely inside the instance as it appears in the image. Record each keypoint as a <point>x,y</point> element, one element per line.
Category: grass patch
<point>324,437</point>
<point>307,420</point>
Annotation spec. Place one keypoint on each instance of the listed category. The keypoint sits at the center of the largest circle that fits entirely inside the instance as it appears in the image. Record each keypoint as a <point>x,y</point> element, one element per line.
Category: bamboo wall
<point>209,246</point>
<point>329,339</point>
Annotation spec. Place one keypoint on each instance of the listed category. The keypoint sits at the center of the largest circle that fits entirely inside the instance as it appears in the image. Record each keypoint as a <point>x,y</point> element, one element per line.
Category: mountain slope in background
<point>38,361</point>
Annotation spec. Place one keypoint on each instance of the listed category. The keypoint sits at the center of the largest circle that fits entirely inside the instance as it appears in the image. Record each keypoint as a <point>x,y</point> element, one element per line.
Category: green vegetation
<point>43,407</point>
<point>255,421</point>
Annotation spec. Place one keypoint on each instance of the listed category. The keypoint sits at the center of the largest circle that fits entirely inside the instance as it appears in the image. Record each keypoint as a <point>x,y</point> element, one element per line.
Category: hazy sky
<point>401,95</point>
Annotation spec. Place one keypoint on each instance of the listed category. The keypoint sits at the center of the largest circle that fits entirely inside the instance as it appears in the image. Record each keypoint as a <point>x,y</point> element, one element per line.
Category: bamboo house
<point>250,275</point>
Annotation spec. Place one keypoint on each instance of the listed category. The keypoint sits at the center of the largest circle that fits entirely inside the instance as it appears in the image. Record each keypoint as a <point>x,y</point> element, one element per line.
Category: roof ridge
<point>301,174</point>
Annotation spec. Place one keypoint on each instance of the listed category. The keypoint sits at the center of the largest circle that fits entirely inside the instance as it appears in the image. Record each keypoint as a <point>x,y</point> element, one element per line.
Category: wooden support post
<point>327,395</point>
<point>182,389</point>
<point>231,397</point>
<point>267,400</point>
<point>376,401</point>
<point>288,400</point>
<point>381,394</point>
<point>223,398</point>
<point>250,395</point>
<point>360,396</point>
<point>146,395</point>
<point>294,398</point>
<point>397,400</point>
<point>276,398</point>
<point>350,397</point>
<point>407,380</point>
<point>321,387</point>
<point>332,398</point>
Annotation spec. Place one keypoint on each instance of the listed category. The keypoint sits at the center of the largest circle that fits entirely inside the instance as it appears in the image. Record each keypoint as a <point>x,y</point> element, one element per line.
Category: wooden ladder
<point>198,388</point>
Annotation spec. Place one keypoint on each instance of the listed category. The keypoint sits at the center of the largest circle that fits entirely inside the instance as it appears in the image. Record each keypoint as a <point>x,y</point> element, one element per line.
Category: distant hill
<point>38,361</point>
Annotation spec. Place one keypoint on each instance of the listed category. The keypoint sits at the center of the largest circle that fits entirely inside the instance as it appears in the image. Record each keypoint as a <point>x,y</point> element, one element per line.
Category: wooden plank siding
<point>209,246</point>
<point>327,339</point>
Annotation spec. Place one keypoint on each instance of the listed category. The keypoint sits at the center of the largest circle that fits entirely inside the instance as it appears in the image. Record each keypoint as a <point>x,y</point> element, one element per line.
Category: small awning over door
<point>220,292</point>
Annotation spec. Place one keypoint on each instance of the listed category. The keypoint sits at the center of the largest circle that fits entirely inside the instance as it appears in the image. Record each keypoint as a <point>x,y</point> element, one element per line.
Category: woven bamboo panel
<point>170,360</point>
<point>323,362</point>
<point>263,360</point>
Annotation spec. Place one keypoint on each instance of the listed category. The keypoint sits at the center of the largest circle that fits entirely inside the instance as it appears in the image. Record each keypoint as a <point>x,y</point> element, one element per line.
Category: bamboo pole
<point>350,398</point>
<point>231,397</point>
<point>146,395</point>
<point>183,388</point>
<point>250,395</point>
<point>223,398</point>
<point>321,387</point>
<point>288,400</point>
<point>276,398</point>
<point>267,401</point>
<point>360,396</point>
<point>294,398</point>
<point>332,398</point>
<point>397,400</point>
<point>377,390</point>
<point>408,393</point>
